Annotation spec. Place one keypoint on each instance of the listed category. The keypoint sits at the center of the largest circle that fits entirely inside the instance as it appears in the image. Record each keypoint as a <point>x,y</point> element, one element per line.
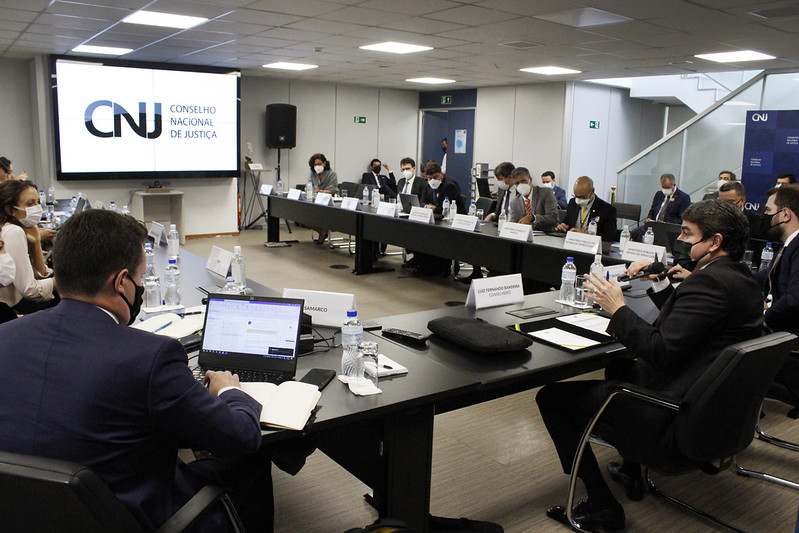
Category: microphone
<point>655,268</point>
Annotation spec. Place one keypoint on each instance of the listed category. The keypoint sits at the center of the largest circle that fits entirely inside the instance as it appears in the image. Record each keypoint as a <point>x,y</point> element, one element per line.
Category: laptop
<point>408,201</point>
<point>255,337</point>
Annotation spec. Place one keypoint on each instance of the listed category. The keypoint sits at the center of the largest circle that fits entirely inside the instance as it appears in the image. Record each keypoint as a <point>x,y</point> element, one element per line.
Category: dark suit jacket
<point>674,209</point>
<point>502,196</point>
<point>783,315</point>
<point>388,185</point>
<point>601,211</point>
<point>560,196</point>
<point>418,187</point>
<point>448,189</point>
<point>83,388</point>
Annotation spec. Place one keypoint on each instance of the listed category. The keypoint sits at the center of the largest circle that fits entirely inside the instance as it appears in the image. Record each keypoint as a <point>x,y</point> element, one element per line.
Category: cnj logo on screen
<point>759,117</point>
<point>120,112</point>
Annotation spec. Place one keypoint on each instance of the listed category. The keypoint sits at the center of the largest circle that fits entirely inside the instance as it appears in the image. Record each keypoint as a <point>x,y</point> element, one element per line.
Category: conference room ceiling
<point>477,43</point>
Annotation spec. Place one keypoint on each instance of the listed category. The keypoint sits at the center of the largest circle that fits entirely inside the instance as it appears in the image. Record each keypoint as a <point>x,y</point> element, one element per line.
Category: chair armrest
<point>644,394</point>
<point>198,504</point>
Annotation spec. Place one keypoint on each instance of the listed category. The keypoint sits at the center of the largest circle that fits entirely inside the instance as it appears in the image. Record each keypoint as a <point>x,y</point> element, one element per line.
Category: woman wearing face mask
<point>20,211</point>
<point>324,180</point>
<point>8,270</point>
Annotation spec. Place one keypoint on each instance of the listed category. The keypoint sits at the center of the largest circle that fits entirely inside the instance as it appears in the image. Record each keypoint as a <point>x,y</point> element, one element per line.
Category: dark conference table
<point>540,260</point>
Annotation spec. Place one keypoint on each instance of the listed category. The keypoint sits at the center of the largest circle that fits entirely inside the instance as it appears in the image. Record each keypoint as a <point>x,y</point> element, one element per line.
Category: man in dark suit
<point>88,389</point>
<point>410,183</point>
<point>440,186</point>
<point>502,173</point>
<point>373,177</point>
<point>586,206</point>
<point>735,192</point>
<point>719,304</point>
<point>548,179</point>
<point>669,202</point>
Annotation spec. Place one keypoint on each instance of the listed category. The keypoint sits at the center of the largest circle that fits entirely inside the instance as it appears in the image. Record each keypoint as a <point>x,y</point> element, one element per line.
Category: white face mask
<point>8,269</point>
<point>549,184</point>
<point>720,183</point>
<point>434,184</point>
<point>318,169</point>
<point>34,216</point>
<point>523,189</point>
<point>582,201</point>
<point>407,174</point>
<point>666,192</point>
<point>502,184</point>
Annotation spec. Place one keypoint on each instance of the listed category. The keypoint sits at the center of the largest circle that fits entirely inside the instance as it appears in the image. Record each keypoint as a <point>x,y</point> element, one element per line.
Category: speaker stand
<point>248,208</point>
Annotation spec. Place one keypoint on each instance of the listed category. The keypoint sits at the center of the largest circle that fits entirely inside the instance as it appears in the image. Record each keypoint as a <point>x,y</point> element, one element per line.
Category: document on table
<point>562,338</point>
<point>589,321</point>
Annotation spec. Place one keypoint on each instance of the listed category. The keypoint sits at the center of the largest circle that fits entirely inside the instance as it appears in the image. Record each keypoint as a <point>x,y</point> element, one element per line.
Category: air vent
<point>520,45</point>
<point>775,13</point>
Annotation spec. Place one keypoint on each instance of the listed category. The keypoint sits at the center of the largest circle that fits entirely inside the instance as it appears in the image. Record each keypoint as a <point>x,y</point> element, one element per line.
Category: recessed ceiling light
<point>735,57</point>
<point>739,103</point>
<point>104,50</point>
<point>166,20</point>
<point>396,48</point>
<point>550,70</point>
<point>584,17</point>
<point>290,66</point>
<point>430,81</point>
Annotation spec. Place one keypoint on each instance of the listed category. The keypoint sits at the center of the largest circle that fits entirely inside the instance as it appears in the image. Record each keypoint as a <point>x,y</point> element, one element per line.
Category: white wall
<point>16,132</point>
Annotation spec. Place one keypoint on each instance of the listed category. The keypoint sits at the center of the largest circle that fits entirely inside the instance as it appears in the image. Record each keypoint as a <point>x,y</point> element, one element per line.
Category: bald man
<point>587,205</point>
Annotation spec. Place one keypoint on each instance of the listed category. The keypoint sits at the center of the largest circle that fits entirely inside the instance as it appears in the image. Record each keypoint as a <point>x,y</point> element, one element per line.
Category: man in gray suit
<point>533,204</point>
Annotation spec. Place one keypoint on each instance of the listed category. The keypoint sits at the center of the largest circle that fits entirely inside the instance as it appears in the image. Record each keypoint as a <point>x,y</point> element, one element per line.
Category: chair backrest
<point>38,494</point>
<point>718,414</point>
<point>628,211</point>
<point>486,204</point>
<point>350,187</point>
<point>483,189</point>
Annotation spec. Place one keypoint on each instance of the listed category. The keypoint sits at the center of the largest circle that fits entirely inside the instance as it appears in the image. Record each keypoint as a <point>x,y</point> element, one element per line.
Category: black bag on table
<point>478,335</point>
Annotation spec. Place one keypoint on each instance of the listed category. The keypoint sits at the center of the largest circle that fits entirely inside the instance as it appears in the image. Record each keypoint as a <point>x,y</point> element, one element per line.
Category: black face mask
<point>682,254</point>
<point>774,230</point>
<point>444,149</point>
<point>138,298</point>
<point>376,169</point>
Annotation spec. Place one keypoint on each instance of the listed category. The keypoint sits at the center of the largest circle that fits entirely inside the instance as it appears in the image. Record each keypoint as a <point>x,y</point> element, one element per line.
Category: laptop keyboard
<point>246,375</point>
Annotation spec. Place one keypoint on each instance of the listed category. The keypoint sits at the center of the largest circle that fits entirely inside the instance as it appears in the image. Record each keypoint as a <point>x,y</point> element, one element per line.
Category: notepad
<point>171,325</point>
<point>589,321</point>
<point>385,367</point>
<point>285,406</point>
<point>562,338</point>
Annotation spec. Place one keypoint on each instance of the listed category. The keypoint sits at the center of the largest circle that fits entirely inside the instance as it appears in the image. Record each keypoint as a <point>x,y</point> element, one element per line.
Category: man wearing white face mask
<point>20,211</point>
<point>440,186</point>
<point>410,183</point>
<point>586,206</point>
<point>669,202</point>
<point>548,178</point>
<point>533,205</point>
<point>502,173</point>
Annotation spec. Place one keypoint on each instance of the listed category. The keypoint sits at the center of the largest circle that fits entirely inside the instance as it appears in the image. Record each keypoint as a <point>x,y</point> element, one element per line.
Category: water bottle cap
<point>768,243</point>
<point>173,227</point>
<point>237,249</point>
<point>570,260</point>
<point>172,261</point>
<point>593,220</point>
<point>351,313</point>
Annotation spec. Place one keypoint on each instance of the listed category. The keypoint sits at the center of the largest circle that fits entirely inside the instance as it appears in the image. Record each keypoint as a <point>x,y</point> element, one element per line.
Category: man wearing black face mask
<point>782,285</point>
<point>373,177</point>
<point>718,305</point>
<point>90,390</point>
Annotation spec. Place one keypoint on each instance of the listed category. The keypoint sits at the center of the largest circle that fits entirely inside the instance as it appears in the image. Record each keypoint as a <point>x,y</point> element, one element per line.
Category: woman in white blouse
<point>20,213</point>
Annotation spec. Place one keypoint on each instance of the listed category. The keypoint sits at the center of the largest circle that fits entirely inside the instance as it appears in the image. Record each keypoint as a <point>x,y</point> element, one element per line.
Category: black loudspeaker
<point>281,126</point>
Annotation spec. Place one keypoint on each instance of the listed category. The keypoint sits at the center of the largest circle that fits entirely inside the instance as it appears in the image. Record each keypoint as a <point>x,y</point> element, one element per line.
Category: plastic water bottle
<point>125,210</point>
<point>230,287</point>
<point>472,209</point>
<point>445,208</point>
<point>237,270</point>
<point>112,207</point>
<point>375,197</point>
<point>592,227</point>
<point>172,283</point>
<point>624,238</point>
<point>149,257</point>
<point>453,210</point>
<point>351,337</point>
<point>42,199</point>
<point>152,291</point>
<point>365,198</point>
<point>568,275</point>
<point>502,219</point>
<point>649,236</point>
<point>173,243</point>
<point>309,191</point>
<point>280,187</point>
<point>73,204</point>
<point>597,267</point>
<point>766,257</point>
<point>51,193</point>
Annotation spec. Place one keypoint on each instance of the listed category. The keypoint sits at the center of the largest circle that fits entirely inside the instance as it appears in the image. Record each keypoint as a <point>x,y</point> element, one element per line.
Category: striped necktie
<point>527,210</point>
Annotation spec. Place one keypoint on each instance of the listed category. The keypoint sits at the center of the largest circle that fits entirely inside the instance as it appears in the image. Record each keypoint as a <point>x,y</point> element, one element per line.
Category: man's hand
<point>385,166</point>
<point>47,234</point>
<point>638,266</point>
<point>562,227</point>
<point>606,293</point>
<point>579,230</point>
<point>678,272</point>
<point>527,219</point>
<point>216,381</point>
<point>489,216</point>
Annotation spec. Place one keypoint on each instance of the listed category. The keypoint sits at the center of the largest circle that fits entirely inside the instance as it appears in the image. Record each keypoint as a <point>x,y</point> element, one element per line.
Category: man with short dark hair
<point>587,206</point>
<point>502,173</point>
<point>88,389</point>
<point>782,286</point>
<point>386,184</point>
<point>533,205</point>
<point>719,304</point>
<point>548,178</point>
<point>735,192</point>
<point>410,183</point>
<point>786,178</point>
<point>440,186</point>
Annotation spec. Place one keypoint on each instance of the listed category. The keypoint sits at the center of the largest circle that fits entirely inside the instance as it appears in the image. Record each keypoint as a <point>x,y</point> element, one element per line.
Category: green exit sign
<point>593,124</point>
<point>359,120</point>
<point>446,100</point>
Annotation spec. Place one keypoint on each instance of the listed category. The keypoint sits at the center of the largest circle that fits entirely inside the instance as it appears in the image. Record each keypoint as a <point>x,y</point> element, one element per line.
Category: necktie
<point>584,217</point>
<point>407,189</point>
<point>527,210</point>
<point>773,272</point>
<point>662,212</point>
<point>507,201</point>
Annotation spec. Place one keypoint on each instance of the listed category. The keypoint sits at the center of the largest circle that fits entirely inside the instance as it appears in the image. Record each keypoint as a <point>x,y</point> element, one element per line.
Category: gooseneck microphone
<point>655,268</point>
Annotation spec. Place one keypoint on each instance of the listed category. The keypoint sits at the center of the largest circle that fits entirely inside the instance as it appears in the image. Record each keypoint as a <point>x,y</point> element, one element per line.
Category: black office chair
<point>350,187</point>
<point>486,204</point>
<point>45,495</point>
<point>630,212</point>
<point>714,421</point>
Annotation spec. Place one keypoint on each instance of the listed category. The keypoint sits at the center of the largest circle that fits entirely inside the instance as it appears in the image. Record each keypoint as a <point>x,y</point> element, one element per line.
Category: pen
<point>607,276</point>
<point>191,313</point>
<point>159,328</point>
<point>387,367</point>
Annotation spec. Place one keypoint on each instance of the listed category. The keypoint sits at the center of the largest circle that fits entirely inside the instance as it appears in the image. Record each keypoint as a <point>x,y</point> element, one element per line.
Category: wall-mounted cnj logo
<point>120,112</point>
<point>759,117</point>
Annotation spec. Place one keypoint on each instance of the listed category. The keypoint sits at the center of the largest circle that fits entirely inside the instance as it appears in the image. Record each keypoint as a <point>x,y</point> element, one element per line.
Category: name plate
<point>157,233</point>
<point>582,242</point>
<point>256,166</point>
<point>350,204</point>
<point>324,198</point>
<point>266,190</point>
<point>465,222</point>
<point>422,214</point>
<point>294,194</point>
<point>517,232</point>
<point>387,209</point>
<point>494,291</point>
<point>325,308</point>
<point>219,261</point>
<point>638,250</point>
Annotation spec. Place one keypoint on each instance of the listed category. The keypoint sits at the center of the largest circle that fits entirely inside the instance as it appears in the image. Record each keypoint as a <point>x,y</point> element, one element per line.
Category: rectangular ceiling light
<point>290,66</point>
<point>166,20</point>
<point>430,81</point>
<point>735,57</point>
<point>550,71</point>
<point>584,17</point>
<point>102,50</point>
<point>396,48</point>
